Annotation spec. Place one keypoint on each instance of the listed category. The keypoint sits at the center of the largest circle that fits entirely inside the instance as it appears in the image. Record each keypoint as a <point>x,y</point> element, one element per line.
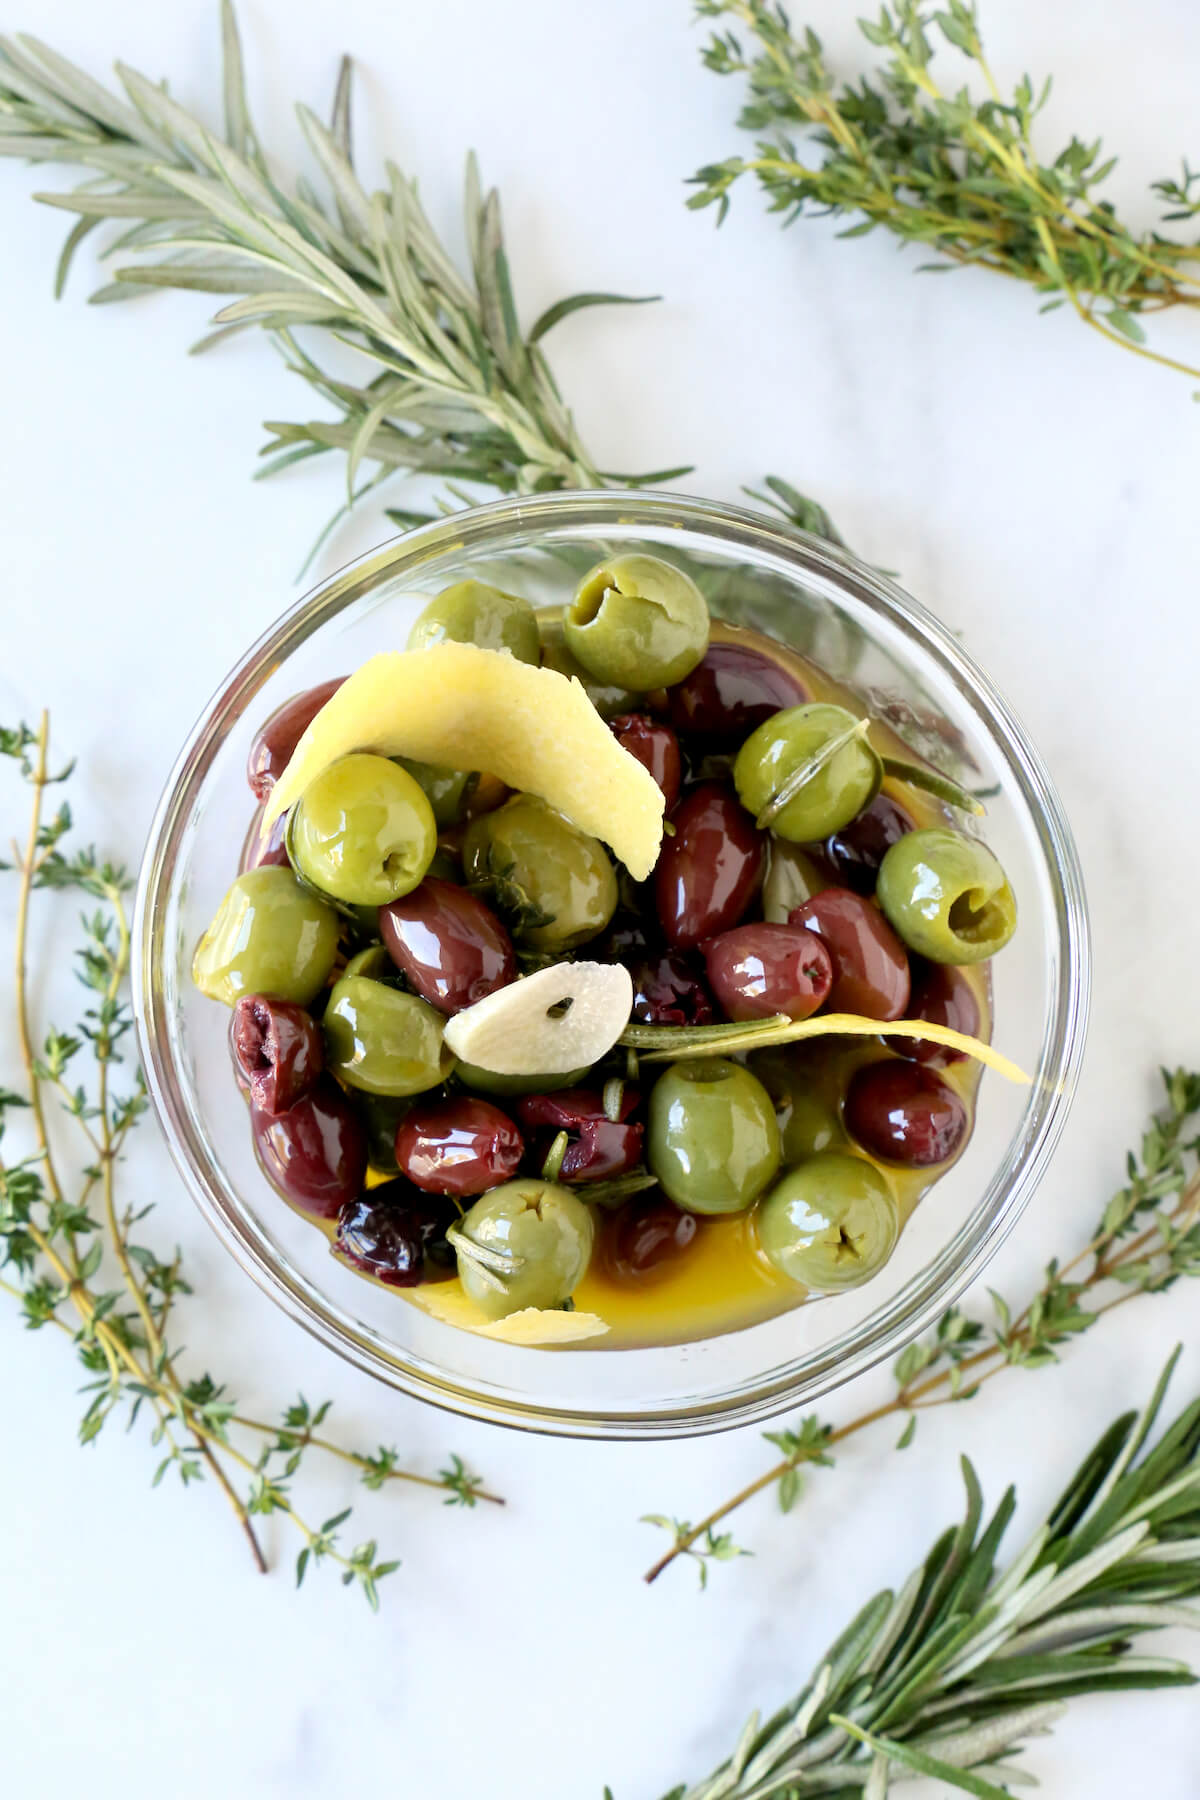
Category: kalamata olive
<point>460,1146</point>
<point>707,874</point>
<point>731,691</point>
<point>243,1084</point>
<point>758,970</point>
<point>944,996</point>
<point>647,1233</point>
<point>397,1234</point>
<point>272,749</point>
<point>627,940</point>
<point>316,1152</point>
<point>264,853</point>
<point>279,1049</point>
<point>598,1147</point>
<point>670,990</point>
<point>903,1113</point>
<point>870,964</point>
<point>448,944</point>
<point>656,748</point>
<point>856,851</point>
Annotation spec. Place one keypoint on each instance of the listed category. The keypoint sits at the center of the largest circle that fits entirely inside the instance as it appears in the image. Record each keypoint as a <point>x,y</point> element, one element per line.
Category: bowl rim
<point>916,1306</point>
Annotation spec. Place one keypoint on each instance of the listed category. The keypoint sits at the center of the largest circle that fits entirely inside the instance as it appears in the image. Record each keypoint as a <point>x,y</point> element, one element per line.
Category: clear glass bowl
<point>910,671</point>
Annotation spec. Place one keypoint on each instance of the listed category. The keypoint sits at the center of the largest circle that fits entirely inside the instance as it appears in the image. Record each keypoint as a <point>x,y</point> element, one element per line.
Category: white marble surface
<point>1033,485</point>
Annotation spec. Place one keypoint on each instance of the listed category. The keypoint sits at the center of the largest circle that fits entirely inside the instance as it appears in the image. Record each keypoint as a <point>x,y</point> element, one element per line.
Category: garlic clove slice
<point>564,1017</point>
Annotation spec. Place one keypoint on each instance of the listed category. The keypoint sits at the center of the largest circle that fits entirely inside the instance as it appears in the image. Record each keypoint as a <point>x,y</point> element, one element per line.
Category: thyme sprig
<point>955,1673</point>
<point>1146,1239</point>
<point>74,1255</point>
<point>960,176</point>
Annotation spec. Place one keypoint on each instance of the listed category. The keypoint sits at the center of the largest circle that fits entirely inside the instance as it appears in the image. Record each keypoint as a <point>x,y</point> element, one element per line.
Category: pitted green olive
<point>712,1138</point>
<point>447,790</point>
<point>637,622</point>
<point>791,879</point>
<point>363,831</point>
<point>802,1091</point>
<point>381,1039</point>
<point>472,612</point>
<point>947,896</point>
<point>843,772</point>
<point>830,1224</point>
<point>527,1243</point>
<point>269,937</point>
<point>609,701</point>
<point>553,884</point>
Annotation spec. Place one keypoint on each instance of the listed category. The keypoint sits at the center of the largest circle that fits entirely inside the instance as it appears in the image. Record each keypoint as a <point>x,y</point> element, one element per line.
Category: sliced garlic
<point>565,1017</point>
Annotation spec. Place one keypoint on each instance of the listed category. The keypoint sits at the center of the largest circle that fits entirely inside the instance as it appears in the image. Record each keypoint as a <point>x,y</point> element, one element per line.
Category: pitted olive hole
<point>972,917</point>
<point>561,1008</point>
<point>591,597</point>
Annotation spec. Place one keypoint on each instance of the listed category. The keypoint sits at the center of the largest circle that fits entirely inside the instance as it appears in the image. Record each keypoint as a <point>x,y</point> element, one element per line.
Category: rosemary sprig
<point>962,177</point>
<point>952,1675</point>
<point>73,1254</point>
<point>1147,1237</point>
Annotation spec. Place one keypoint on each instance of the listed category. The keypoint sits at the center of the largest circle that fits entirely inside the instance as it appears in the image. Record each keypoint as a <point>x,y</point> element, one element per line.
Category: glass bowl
<point>911,672</point>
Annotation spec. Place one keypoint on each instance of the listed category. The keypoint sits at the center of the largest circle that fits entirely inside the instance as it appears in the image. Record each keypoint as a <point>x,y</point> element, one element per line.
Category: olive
<point>396,1234</point>
<point>459,1146</point>
<point>269,936</point>
<point>238,1073</point>
<point>801,1084</point>
<point>269,852</point>
<point>713,1140</point>
<point>552,882</point>
<point>944,996</point>
<point>598,1147</point>
<point>830,1224</point>
<point>708,872</point>
<point>609,701</point>
<point>448,791</point>
<point>447,944</point>
<point>870,968</point>
<point>380,1039</point>
<point>363,831</point>
<point>758,970</point>
<point>527,1243</point>
<point>471,612</point>
<point>381,1114</point>
<point>855,852</point>
<point>278,1048</point>
<point>490,1081</point>
<point>731,691</point>
<point>947,896</point>
<point>670,990</point>
<point>637,622</point>
<point>271,751</point>
<point>793,876</point>
<point>835,791</point>
<point>647,1233</point>
<point>656,748</point>
<point>903,1113</point>
<point>628,938</point>
<point>315,1153</point>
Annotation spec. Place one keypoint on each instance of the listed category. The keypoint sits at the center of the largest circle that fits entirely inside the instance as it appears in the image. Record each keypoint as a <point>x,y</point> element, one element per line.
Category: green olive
<point>835,791</point>
<point>447,790</point>
<point>609,701</point>
<point>527,1243</point>
<point>488,1081</point>
<point>555,885</point>
<point>381,1114</point>
<point>808,1115</point>
<point>712,1138</point>
<point>380,1039</point>
<point>471,612</point>
<point>830,1224</point>
<point>791,879</point>
<point>269,937</point>
<point>637,622</point>
<point>363,831</point>
<point>946,896</point>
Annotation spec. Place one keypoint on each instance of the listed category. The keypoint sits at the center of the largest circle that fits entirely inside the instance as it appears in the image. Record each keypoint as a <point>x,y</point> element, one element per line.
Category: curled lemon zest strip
<point>782,1030</point>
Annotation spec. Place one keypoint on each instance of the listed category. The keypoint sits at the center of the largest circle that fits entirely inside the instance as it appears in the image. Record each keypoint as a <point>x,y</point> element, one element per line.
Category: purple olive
<point>279,1050</point>
<point>461,1146</point>
<point>452,949</point>
<point>870,965</point>
<point>855,852</point>
<point>656,748</point>
<point>944,996</point>
<point>271,751</point>
<point>756,971</point>
<point>264,853</point>
<point>730,692</point>
<point>316,1152</point>
<point>708,873</point>
<point>397,1234</point>
<point>238,1076</point>
<point>647,1233</point>
<point>670,990</point>
<point>627,939</point>
<point>903,1113</point>
<point>599,1147</point>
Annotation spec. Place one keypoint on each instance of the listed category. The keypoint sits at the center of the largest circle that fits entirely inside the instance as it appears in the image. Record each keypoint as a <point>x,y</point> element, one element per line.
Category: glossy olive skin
<point>504,1087</point>
<point>278,1048</point>
<point>832,796</point>
<point>870,967</point>
<point>656,748</point>
<point>808,1115</point>
<point>396,1234</point>
<point>598,1147</point>
<point>830,1224</point>
<point>903,1113</point>
<point>730,692</point>
<point>269,937</point>
<point>708,873</point>
<point>793,876</point>
<point>459,1146</point>
<point>545,1233</point>
<point>646,1235</point>
<point>447,944</point>
<point>471,612</point>
<point>363,831</point>
<point>712,1141</point>
<point>756,971</point>
<point>271,751</point>
<point>380,1039</point>
<point>670,990</point>
<point>553,882</point>
<point>944,996</point>
<point>448,791</point>
<point>382,1114</point>
<point>637,622</point>
<point>269,852</point>
<point>946,895</point>
<point>855,853</point>
<point>315,1153</point>
<point>608,699</point>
